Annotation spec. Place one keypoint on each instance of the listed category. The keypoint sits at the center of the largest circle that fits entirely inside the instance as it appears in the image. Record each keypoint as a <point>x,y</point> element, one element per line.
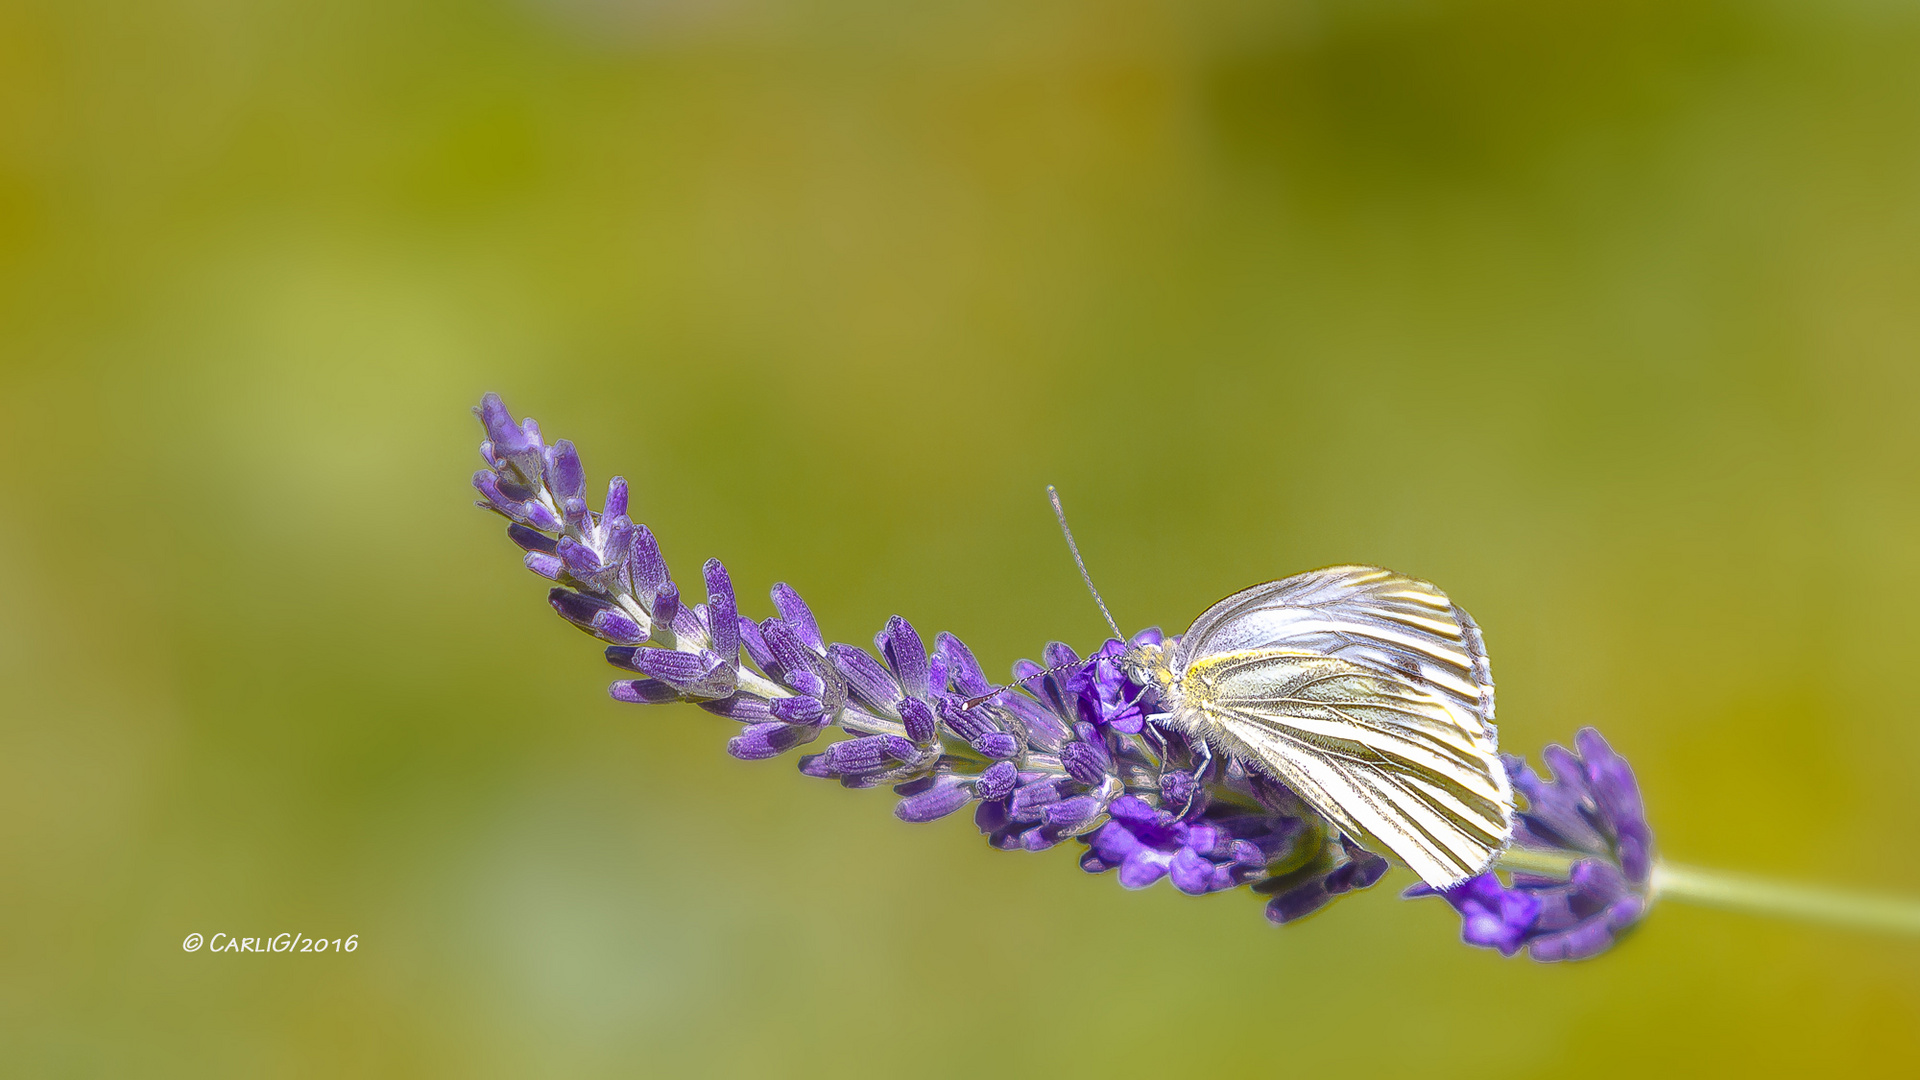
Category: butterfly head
<point>1148,664</point>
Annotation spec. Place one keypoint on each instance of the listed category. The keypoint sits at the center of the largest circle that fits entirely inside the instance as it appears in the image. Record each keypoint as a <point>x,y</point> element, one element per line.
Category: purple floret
<point>1590,812</point>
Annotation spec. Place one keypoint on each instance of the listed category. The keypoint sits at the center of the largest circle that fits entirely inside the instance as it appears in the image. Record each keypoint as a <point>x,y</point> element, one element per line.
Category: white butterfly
<point>1366,692</point>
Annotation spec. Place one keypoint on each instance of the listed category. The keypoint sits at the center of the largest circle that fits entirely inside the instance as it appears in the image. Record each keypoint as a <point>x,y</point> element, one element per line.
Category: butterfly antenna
<point>1061,514</point>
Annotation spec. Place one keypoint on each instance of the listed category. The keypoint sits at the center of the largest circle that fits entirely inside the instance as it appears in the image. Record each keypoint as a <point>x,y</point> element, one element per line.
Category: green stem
<point>1739,892</point>
<point>1758,896</point>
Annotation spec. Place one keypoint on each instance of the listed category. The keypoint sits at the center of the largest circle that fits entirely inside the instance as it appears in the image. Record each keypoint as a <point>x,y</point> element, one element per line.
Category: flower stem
<point>1758,896</point>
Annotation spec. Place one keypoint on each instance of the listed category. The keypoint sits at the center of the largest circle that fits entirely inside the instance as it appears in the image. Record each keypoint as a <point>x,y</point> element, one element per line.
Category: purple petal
<point>1492,916</point>
<point>1135,811</point>
<point>1584,939</point>
<point>1568,772</point>
<point>488,484</point>
<point>616,504</point>
<point>1142,869</point>
<point>1191,874</point>
<point>1114,842</point>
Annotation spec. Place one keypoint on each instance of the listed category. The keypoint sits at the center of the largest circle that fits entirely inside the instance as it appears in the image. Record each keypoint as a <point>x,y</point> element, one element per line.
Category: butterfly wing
<point>1394,764</point>
<point>1375,618</point>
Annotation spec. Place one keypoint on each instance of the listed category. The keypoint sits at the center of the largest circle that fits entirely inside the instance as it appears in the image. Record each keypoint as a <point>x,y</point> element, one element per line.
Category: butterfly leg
<point>1196,776</point>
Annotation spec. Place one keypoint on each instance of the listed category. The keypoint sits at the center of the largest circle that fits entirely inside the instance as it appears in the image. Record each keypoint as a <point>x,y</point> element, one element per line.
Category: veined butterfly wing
<point>1370,695</point>
<point>1373,617</point>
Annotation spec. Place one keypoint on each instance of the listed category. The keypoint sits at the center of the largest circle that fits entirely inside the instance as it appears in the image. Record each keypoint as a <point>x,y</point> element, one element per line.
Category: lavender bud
<point>616,504</point>
<point>529,540</point>
<point>797,710</point>
<point>682,669</point>
<point>538,516</point>
<point>962,668</point>
<point>1070,814</point>
<point>744,707</point>
<point>1177,788</point>
<point>996,744</point>
<point>918,718</point>
<point>870,682</point>
<point>756,645</point>
<point>1085,764</point>
<point>907,655</point>
<point>565,475</point>
<point>723,616</point>
<point>547,566</point>
<point>868,752</point>
<point>616,626</point>
<point>997,781</point>
<point>666,607</point>
<point>798,616</point>
<point>488,484</point>
<point>761,741</point>
<point>932,799</point>
<point>969,724</point>
<point>575,606</point>
<point>581,562</point>
<point>575,515</point>
<point>1028,799</point>
<point>619,540</point>
<point>645,566</point>
<point>511,446</point>
<point>643,691</point>
<point>790,654</point>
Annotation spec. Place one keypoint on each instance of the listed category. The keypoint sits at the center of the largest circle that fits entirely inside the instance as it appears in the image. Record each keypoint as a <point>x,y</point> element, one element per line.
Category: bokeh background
<point>1601,314</point>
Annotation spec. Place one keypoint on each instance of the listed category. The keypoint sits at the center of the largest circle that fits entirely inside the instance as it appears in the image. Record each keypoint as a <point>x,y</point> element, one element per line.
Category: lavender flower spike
<point>1588,823</point>
<point>1072,751</point>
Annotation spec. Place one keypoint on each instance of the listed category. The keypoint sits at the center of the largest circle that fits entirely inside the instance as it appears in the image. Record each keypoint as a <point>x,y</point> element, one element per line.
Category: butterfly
<point>1366,692</point>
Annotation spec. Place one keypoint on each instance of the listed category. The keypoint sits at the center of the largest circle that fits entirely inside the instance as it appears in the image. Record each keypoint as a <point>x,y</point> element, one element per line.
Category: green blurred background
<point>1601,314</point>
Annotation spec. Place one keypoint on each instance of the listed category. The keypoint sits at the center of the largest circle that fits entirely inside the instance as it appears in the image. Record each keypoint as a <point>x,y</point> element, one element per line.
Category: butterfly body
<point>1366,692</point>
